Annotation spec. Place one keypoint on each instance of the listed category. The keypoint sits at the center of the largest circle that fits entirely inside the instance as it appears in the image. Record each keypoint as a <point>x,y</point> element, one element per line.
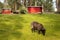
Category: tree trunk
<point>58,5</point>
<point>30,2</point>
<point>15,6</point>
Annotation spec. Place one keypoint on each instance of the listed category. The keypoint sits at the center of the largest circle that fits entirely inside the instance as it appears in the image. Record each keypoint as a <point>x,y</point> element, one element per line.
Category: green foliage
<point>48,5</point>
<point>23,10</point>
<point>14,4</point>
<point>1,5</point>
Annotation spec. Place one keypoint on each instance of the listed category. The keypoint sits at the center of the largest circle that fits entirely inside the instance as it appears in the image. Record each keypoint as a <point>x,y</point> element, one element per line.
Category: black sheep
<point>38,26</point>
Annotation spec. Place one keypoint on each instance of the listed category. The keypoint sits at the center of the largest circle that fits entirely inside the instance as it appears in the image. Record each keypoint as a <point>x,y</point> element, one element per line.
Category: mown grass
<point>18,27</point>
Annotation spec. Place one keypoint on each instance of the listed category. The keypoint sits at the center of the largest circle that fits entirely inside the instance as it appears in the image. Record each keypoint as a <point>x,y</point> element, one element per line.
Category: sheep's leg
<point>33,30</point>
<point>43,32</point>
<point>38,31</point>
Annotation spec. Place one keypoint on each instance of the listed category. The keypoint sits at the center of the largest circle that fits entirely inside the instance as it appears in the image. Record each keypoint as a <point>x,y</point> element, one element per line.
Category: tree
<point>1,5</point>
<point>14,4</point>
<point>47,4</point>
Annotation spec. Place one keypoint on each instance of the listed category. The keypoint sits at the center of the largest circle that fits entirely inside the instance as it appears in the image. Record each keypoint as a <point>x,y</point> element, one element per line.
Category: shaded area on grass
<point>10,26</point>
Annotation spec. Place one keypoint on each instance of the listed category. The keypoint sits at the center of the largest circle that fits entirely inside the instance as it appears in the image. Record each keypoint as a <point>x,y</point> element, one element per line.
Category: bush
<point>23,10</point>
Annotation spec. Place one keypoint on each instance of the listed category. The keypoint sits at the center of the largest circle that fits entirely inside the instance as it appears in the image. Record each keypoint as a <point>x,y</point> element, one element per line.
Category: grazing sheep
<point>38,26</point>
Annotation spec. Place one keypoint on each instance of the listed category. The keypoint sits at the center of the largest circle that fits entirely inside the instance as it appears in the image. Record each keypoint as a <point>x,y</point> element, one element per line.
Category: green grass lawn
<point>18,27</point>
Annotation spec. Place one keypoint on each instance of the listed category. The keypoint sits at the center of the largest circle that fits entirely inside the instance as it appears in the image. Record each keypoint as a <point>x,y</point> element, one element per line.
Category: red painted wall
<point>34,9</point>
<point>5,11</point>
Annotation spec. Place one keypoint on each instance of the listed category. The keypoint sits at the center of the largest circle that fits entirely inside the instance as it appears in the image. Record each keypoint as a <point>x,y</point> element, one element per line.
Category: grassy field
<point>17,27</point>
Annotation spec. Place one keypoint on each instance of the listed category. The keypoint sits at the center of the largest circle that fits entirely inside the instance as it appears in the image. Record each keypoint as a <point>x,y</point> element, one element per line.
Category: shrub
<point>23,10</point>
